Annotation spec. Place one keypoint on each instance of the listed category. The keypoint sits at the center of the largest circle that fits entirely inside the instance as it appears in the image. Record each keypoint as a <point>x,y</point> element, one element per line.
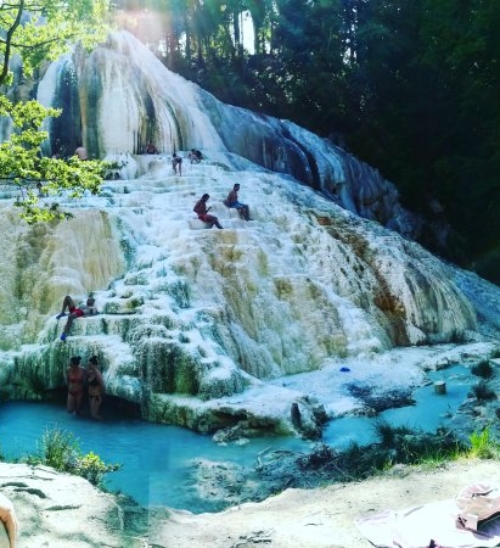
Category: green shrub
<point>60,450</point>
<point>483,369</point>
<point>387,434</point>
<point>93,468</point>
<point>483,392</point>
<point>482,446</point>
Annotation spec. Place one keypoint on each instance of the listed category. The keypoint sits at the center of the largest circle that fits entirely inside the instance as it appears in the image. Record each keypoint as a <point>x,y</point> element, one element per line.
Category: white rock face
<point>59,510</point>
<point>197,315</point>
<point>190,316</point>
<point>122,97</point>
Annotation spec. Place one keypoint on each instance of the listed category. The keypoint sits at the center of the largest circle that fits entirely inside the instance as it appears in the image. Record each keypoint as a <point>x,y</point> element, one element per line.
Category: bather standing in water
<point>95,387</point>
<point>75,379</point>
<point>8,523</point>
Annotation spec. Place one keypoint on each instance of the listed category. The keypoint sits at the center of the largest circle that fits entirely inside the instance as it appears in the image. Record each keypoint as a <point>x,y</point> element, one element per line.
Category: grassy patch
<point>482,391</point>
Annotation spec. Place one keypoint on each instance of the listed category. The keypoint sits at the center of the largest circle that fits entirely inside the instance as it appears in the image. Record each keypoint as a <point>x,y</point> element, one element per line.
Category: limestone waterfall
<point>194,321</point>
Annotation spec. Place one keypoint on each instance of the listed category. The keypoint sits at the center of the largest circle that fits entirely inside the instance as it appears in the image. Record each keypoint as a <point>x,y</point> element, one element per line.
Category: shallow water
<point>429,412</point>
<point>157,459</point>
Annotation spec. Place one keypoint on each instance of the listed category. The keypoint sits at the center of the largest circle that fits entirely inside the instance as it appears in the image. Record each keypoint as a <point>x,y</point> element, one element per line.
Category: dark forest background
<point>409,86</point>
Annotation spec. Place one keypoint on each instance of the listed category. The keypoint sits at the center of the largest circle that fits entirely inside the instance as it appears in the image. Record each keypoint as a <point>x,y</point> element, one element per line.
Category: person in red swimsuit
<point>75,379</point>
<point>88,309</point>
<point>202,210</point>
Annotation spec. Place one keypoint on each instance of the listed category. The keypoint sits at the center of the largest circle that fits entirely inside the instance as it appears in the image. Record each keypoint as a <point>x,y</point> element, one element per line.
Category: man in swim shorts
<point>202,210</point>
<point>88,309</point>
<point>232,202</point>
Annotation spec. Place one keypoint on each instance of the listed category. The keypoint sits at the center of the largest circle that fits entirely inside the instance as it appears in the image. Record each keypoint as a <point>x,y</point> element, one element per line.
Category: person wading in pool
<point>95,388</point>
<point>75,379</point>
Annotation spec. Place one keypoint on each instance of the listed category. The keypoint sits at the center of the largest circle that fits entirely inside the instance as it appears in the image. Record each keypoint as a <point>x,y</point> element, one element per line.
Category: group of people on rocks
<point>90,381</point>
<point>81,380</point>
<point>195,156</point>
<point>78,378</point>
<point>231,201</point>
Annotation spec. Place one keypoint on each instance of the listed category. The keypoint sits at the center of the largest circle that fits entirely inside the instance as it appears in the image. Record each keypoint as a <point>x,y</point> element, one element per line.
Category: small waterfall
<point>120,96</point>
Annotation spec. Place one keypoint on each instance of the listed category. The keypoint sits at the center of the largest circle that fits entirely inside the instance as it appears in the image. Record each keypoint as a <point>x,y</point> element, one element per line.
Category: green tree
<point>38,30</point>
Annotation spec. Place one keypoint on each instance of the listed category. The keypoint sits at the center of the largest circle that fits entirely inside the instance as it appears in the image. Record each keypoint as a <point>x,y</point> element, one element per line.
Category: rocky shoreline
<point>56,510</point>
<point>287,500</point>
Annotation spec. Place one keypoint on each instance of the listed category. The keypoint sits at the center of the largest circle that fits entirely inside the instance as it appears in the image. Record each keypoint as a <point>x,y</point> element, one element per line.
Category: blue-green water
<point>429,412</point>
<point>156,458</point>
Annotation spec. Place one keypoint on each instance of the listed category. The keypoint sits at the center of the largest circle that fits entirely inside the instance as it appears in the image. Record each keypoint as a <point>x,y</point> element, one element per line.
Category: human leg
<point>71,403</point>
<point>67,304</point>
<point>78,401</point>
<point>213,220</point>
<point>69,323</point>
<point>95,405</point>
<point>8,523</point>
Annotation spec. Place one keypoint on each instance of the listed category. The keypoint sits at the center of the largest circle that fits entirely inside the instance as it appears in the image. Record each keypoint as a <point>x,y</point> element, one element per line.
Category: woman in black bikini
<point>96,388</point>
<point>75,378</point>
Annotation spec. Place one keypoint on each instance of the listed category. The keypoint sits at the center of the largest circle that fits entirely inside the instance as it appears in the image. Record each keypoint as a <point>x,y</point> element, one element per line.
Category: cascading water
<point>122,97</point>
<point>194,320</point>
<point>191,318</point>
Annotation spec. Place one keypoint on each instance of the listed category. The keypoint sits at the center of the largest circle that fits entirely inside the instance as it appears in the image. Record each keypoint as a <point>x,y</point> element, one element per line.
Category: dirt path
<point>319,518</point>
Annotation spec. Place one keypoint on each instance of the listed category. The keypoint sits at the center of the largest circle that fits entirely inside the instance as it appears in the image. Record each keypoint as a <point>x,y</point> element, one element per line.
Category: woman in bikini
<point>75,377</point>
<point>95,387</point>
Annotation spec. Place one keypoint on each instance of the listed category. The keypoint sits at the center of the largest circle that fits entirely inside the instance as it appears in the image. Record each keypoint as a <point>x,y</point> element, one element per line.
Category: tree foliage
<point>35,175</point>
<point>410,86</point>
<point>35,31</point>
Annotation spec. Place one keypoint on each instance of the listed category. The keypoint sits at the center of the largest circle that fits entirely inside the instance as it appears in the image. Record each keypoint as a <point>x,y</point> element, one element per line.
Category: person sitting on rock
<point>195,156</point>
<point>202,211</point>
<point>177,162</point>
<point>232,202</point>
<point>88,309</point>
